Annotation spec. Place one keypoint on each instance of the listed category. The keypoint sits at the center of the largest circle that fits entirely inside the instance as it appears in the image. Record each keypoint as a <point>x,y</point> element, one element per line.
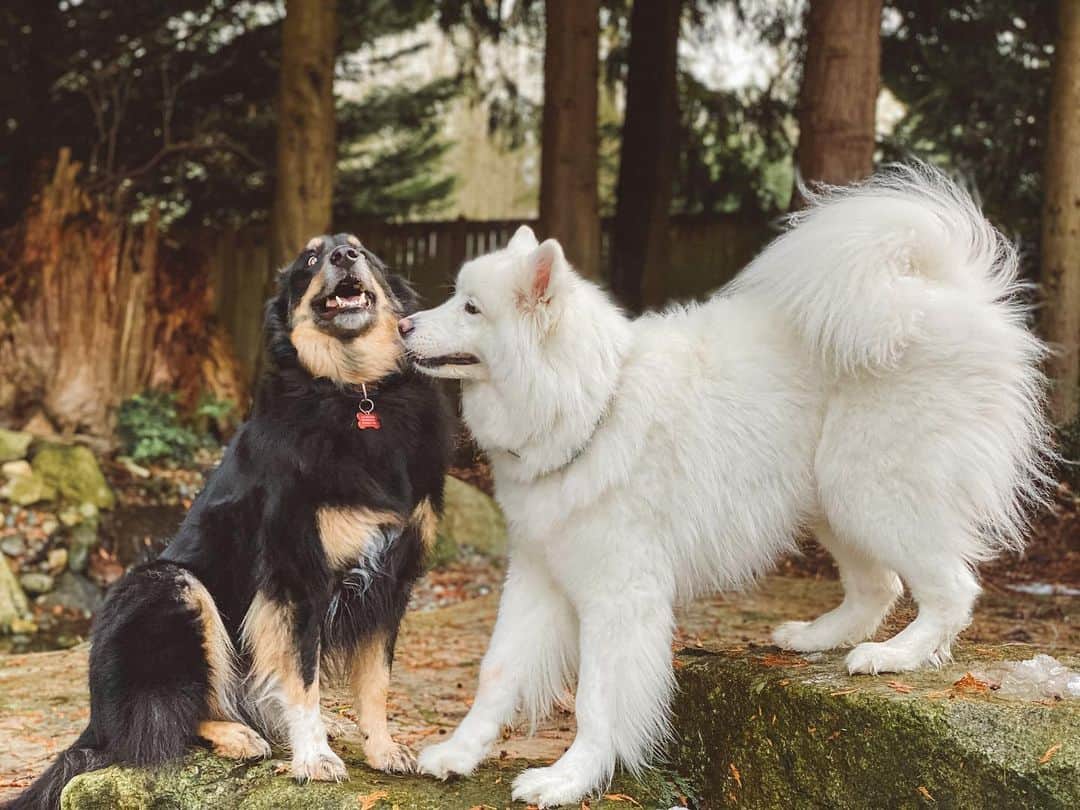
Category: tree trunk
<point>839,92</point>
<point>306,151</point>
<point>569,205</point>
<point>1061,220</point>
<point>96,309</point>
<point>639,242</point>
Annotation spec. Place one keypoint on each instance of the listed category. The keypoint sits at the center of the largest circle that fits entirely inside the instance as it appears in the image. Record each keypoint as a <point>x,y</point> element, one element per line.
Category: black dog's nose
<point>344,256</point>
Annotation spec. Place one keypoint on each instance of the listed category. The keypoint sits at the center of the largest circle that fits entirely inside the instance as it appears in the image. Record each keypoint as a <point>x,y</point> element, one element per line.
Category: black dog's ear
<point>276,330</point>
<point>403,291</point>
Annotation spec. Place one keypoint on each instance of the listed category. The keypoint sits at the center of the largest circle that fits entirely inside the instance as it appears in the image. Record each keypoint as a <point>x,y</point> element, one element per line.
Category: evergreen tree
<point>173,103</point>
<point>975,79</point>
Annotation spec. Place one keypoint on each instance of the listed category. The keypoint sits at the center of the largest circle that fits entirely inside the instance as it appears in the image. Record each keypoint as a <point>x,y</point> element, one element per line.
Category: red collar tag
<point>366,418</point>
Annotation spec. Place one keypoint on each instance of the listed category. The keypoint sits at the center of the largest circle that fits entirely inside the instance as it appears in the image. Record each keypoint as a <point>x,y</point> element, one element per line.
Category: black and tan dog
<point>298,556</point>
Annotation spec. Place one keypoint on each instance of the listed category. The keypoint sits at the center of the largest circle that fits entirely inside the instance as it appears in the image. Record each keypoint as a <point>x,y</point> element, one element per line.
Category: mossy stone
<point>25,490</point>
<point>14,444</point>
<point>472,518</point>
<point>75,473</point>
<point>205,782</point>
<point>757,732</point>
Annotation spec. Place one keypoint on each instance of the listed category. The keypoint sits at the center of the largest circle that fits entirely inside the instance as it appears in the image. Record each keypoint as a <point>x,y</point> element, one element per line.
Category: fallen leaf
<point>925,793</point>
<point>773,660</point>
<point>850,691</point>
<point>371,799</point>
<point>735,774</point>
<point>900,686</point>
<point>1049,755</point>
<point>969,683</point>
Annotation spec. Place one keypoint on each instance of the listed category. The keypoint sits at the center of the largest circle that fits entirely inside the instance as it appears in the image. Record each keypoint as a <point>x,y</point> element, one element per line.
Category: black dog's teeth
<point>362,300</point>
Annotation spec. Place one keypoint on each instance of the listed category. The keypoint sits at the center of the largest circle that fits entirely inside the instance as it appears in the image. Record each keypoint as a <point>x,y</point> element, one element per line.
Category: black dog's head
<point>336,312</point>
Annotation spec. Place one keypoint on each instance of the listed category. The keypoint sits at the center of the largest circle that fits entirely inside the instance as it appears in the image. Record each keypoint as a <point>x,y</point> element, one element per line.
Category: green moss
<point>75,473</point>
<point>806,736</point>
<point>28,489</point>
<point>205,782</point>
<point>14,444</point>
<point>471,518</point>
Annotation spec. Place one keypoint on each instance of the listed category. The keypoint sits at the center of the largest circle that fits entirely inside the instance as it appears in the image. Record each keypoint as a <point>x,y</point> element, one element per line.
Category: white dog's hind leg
<point>870,589</point>
<point>623,698</point>
<point>528,663</point>
<point>945,590</point>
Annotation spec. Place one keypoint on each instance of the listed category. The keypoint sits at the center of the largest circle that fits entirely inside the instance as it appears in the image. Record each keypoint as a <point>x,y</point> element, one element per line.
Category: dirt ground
<point>43,703</point>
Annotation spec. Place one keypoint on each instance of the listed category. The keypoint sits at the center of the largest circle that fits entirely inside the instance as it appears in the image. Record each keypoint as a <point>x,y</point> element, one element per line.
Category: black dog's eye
<point>471,308</point>
<point>312,259</point>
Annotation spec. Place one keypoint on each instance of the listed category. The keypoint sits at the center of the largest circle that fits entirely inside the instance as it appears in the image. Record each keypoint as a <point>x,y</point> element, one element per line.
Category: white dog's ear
<point>541,266</point>
<point>523,239</point>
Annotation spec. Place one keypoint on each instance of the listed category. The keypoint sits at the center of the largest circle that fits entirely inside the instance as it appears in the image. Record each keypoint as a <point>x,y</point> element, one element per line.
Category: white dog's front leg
<point>528,662</point>
<point>623,698</point>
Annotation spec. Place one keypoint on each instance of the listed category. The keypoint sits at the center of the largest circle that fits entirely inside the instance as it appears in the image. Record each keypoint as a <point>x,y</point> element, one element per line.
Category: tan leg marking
<point>268,636</point>
<point>347,534</point>
<point>218,649</point>
<point>369,678</point>
<point>278,686</point>
<point>233,740</point>
<point>426,522</point>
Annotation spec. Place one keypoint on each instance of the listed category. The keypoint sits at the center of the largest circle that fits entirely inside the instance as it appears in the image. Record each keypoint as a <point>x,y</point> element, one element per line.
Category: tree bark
<point>1061,220</point>
<point>569,204</point>
<point>639,248</point>
<point>96,308</point>
<point>839,92</point>
<point>306,150</point>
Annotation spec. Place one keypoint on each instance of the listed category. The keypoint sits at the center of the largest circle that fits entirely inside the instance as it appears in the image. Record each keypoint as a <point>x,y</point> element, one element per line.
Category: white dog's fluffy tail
<point>859,264</point>
<point>860,271</point>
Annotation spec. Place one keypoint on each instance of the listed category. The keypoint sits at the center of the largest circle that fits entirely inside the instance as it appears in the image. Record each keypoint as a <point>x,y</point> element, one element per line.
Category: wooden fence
<point>705,253</point>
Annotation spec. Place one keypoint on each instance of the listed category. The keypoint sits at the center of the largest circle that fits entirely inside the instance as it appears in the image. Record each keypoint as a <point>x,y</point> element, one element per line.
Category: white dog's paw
<point>449,758</point>
<point>319,766</point>
<point>824,633</point>
<point>873,657</point>
<point>551,786</point>
<point>798,636</point>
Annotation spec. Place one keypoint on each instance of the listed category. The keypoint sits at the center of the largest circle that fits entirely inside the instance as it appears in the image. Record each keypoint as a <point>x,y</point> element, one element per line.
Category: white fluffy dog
<point>869,376</point>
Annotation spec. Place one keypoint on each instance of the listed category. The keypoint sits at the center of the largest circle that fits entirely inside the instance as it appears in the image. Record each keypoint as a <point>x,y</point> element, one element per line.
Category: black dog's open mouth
<point>460,359</point>
<point>349,296</point>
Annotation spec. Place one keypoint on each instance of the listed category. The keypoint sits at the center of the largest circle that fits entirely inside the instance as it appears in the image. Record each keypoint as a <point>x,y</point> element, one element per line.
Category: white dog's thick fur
<point>869,376</point>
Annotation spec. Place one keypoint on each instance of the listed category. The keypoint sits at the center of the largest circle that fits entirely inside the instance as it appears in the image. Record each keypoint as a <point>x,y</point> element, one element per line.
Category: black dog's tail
<point>44,794</point>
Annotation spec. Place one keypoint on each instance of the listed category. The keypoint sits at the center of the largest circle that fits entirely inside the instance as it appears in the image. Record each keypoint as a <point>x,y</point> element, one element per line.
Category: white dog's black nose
<point>344,256</point>
<point>404,326</point>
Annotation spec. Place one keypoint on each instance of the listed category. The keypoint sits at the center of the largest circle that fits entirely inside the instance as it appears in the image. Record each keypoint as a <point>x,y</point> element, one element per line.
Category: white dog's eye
<point>311,260</point>
<point>472,308</point>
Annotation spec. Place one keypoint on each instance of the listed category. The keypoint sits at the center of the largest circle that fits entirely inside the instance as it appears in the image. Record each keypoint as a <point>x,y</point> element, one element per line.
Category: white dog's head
<point>536,346</point>
<point>501,300</point>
